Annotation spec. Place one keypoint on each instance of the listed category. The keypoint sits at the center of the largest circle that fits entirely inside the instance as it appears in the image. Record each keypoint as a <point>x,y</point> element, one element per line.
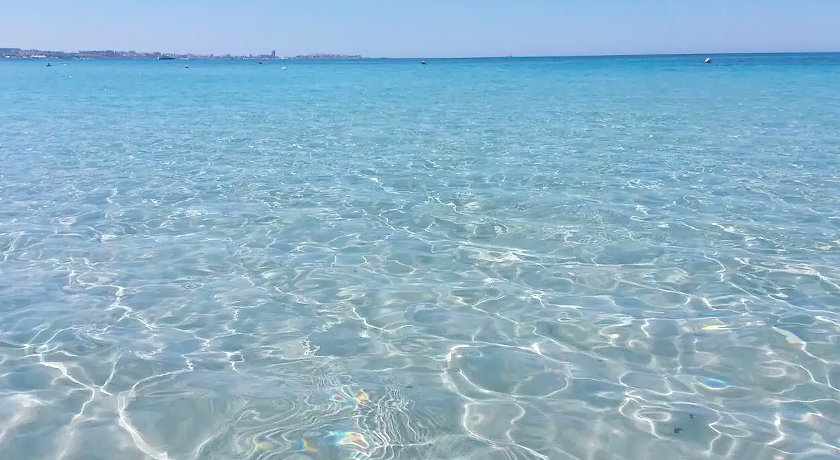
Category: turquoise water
<point>616,258</point>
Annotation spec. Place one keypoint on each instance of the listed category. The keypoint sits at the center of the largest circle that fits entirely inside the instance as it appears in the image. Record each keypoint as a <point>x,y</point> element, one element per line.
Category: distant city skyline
<point>31,53</point>
<point>423,28</point>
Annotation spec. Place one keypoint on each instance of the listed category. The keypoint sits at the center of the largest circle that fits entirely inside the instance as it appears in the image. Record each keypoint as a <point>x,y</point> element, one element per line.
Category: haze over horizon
<point>424,28</point>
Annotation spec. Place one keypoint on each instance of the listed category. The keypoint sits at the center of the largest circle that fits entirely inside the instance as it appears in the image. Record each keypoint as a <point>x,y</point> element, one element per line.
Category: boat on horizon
<point>164,57</point>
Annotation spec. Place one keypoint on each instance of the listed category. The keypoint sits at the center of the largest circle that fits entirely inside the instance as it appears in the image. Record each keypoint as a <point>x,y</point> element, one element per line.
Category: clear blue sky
<point>423,28</point>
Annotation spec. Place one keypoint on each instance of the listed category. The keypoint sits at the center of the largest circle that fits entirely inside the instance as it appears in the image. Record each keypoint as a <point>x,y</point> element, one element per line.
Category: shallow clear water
<point>486,259</point>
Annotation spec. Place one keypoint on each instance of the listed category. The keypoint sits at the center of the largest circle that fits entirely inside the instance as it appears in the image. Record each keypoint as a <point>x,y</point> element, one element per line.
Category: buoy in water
<point>423,62</point>
<point>261,62</point>
<point>186,66</point>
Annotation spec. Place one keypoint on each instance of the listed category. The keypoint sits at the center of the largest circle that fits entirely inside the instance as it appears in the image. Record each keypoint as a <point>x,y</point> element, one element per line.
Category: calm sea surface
<point>613,258</point>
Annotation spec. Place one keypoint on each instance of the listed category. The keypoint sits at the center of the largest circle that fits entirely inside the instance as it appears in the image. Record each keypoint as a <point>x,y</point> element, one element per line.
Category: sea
<point>547,258</point>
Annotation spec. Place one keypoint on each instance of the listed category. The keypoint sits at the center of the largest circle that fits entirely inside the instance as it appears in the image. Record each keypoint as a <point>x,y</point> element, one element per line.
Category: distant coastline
<point>22,54</point>
<point>18,53</point>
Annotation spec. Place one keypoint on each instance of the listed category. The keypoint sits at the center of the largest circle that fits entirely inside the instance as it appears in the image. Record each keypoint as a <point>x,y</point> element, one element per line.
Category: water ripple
<point>469,260</point>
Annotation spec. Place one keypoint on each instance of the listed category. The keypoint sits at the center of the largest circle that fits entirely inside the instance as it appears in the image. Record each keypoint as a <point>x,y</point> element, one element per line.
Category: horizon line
<point>535,56</point>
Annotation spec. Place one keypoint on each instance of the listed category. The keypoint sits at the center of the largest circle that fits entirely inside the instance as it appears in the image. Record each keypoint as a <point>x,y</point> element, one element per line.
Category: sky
<point>423,28</point>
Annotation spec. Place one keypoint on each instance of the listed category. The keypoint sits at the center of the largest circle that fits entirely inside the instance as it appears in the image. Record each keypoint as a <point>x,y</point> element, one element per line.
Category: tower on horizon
<point>273,54</point>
